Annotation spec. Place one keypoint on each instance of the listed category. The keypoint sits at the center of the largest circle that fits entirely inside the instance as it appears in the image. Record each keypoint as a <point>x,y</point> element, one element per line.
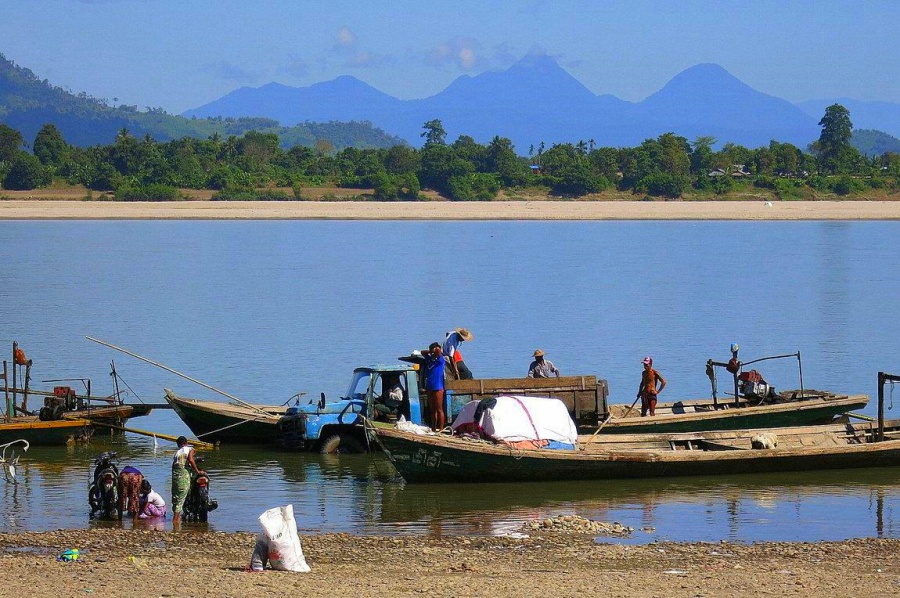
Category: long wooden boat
<point>791,409</point>
<point>586,397</point>
<point>442,458</point>
<point>47,433</point>
<point>63,402</point>
<point>112,414</point>
<point>214,421</point>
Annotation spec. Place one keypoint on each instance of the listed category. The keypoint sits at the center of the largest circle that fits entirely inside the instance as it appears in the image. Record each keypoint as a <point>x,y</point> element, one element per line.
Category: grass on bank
<point>60,192</point>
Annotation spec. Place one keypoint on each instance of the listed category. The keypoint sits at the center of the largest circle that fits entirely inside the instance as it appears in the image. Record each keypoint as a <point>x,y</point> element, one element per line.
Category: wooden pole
<point>10,410</point>
<point>627,411</point>
<point>195,443</point>
<point>177,373</point>
<point>600,427</point>
<point>881,380</point>
<point>15,345</point>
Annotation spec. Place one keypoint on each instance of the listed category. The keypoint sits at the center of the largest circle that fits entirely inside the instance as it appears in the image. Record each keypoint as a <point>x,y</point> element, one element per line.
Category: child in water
<point>152,504</point>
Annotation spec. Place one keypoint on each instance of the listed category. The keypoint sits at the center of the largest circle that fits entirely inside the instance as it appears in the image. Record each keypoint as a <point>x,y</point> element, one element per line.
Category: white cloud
<point>466,58</point>
<point>345,38</point>
<point>462,52</point>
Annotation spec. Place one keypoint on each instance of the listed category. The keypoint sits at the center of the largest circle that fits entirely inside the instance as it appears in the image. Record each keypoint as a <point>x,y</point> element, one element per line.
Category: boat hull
<point>117,415</point>
<point>40,433</point>
<point>794,413</point>
<point>427,459</point>
<point>218,422</point>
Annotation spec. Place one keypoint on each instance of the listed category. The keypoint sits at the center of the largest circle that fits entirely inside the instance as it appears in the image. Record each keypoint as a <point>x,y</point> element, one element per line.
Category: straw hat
<point>538,353</point>
<point>465,334</point>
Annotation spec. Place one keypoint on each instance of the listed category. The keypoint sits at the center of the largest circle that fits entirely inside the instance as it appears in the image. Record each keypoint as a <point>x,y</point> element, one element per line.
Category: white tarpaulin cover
<point>516,418</point>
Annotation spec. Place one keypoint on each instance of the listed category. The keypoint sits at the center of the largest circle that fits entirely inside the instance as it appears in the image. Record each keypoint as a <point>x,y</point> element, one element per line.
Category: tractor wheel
<point>341,444</point>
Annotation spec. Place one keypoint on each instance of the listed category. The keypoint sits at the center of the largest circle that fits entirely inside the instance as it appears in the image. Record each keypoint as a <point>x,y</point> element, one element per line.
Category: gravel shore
<point>150,563</point>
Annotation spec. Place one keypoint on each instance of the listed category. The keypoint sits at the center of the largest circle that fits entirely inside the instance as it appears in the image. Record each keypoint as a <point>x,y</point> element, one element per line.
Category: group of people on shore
<point>136,494</point>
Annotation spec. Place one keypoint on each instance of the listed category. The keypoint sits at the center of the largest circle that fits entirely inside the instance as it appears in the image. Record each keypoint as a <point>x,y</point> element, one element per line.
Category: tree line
<point>254,165</point>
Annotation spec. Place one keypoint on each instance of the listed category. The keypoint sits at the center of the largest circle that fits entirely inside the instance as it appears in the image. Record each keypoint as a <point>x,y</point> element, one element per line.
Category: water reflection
<point>822,288</point>
<point>361,494</point>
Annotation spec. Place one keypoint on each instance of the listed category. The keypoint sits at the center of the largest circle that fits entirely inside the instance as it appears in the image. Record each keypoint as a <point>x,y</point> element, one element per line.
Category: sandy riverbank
<point>161,563</point>
<point>24,209</point>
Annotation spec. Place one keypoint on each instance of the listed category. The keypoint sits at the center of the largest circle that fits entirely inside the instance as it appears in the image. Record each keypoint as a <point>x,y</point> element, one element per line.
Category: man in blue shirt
<point>434,385</point>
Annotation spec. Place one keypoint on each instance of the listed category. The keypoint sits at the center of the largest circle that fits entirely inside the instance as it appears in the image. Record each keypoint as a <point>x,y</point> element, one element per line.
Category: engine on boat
<point>753,385</point>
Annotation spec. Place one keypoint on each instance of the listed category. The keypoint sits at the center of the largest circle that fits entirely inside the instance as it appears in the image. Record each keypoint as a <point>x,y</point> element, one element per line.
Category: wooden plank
<point>497,385</point>
<point>192,441</point>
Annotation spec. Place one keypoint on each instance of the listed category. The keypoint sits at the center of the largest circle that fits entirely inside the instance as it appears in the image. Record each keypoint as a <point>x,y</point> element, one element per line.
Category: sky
<point>178,55</point>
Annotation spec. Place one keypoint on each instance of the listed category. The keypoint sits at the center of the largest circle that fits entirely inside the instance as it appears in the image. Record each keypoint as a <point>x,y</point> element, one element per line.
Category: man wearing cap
<point>541,368</point>
<point>648,389</point>
<point>451,352</point>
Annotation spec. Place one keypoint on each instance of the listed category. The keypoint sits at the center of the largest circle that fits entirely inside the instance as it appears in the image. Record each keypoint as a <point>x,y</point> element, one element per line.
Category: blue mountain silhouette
<point>536,100</point>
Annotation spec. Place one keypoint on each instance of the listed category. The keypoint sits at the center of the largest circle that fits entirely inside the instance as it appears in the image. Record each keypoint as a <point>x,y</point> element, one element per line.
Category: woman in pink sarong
<point>152,504</point>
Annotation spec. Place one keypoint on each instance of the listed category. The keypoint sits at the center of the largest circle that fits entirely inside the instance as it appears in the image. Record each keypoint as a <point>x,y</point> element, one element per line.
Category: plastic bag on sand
<point>284,550</point>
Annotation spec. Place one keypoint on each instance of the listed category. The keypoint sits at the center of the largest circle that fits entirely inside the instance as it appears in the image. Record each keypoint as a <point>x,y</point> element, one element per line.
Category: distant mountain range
<point>533,101</point>
<point>536,100</point>
<point>28,103</point>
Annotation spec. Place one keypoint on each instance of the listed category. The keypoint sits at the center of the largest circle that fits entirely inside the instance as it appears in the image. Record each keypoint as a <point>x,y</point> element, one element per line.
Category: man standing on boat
<point>454,357</point>
<point>648,389</point>
<point>434,385</point>
<point>541,368</point>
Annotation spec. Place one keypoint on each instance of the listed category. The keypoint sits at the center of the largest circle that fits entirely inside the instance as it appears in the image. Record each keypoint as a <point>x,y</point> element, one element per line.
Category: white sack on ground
<point>285,552</point>
<point>516,418</point>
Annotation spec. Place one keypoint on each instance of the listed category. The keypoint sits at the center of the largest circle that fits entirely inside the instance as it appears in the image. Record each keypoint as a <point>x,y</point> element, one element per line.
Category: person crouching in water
<point>434,385</point>
<point>182,464</point>
<point>152,504</point>
<point>129,490</point>
<point>648,389</point>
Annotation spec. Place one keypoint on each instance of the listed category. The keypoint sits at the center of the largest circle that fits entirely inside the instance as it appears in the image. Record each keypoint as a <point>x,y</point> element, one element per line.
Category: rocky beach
<point>117,562</point>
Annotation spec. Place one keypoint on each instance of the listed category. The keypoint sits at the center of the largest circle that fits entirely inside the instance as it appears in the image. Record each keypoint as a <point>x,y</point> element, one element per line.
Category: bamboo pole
<point>177,373</point>
<point>882,377</point>
<point>10,409</point>
<point>861,416</point>
<point>195,443</point>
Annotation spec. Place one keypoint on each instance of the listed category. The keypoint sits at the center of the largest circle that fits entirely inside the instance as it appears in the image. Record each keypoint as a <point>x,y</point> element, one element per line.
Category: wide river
<point>264,310</point>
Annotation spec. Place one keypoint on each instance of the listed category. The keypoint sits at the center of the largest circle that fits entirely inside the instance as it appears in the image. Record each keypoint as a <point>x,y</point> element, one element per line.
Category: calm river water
<point>264,310</point>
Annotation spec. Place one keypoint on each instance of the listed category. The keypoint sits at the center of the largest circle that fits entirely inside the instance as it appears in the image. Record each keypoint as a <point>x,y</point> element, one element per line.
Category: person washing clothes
<point>152,504</point>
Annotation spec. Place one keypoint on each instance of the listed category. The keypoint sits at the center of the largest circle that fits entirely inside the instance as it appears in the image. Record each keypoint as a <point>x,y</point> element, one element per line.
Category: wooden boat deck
<point>441,458</point>
<point>813,407</point>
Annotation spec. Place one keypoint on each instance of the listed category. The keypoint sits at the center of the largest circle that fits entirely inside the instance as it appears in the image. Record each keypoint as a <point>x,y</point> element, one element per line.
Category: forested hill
<point>874,143</point>
<point>27,103</point>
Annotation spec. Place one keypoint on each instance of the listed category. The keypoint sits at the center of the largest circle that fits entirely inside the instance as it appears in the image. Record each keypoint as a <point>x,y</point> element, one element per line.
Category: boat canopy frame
<point>735,367</point>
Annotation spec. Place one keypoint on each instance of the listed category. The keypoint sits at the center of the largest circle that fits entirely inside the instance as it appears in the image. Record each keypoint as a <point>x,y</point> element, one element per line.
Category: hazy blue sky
<point>182,54</point>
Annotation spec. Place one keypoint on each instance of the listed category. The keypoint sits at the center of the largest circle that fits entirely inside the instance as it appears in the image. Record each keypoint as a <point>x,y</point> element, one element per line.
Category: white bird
<point>768,204</point>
